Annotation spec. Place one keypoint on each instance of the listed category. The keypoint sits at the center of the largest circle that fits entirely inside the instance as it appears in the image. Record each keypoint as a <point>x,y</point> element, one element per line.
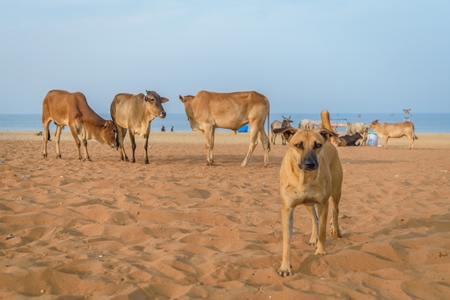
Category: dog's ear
<point>288,132</point>
<point>327,134</point>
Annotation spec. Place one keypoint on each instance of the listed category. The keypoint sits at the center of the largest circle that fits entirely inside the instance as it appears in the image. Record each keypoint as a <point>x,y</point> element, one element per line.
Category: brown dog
<point>310,174</point>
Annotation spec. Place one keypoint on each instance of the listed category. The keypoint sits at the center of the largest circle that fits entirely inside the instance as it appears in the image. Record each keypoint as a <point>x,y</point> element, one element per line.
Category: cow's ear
<point>327,134</point>
<point>287,132</point>
<point>164,99</point>
<point>182,99</point>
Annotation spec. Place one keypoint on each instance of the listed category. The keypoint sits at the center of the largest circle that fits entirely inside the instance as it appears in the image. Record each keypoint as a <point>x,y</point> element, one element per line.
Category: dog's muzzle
<point>309,163</point>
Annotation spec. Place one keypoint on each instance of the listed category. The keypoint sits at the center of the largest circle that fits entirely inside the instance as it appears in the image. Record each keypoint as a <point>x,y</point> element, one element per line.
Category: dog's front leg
<point>335,232</point>
<point>287,223</point>
<point>323,216</point>
<point>314,224</point>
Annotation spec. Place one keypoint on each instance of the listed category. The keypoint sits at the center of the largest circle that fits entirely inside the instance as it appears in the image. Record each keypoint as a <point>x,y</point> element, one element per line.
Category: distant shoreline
<point>425,141</point>
<point>424,123</point>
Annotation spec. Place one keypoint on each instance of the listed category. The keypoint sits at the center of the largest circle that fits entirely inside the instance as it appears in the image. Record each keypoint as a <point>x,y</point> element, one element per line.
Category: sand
<point>108,229</point>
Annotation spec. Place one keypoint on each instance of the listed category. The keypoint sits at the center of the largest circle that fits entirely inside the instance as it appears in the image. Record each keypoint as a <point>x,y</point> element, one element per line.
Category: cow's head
<point>154,104</point>
<point>373,124</point>
<point>109,133</point>
<point>306,145</point>
<point>286,121</point>
<point>187,100</point>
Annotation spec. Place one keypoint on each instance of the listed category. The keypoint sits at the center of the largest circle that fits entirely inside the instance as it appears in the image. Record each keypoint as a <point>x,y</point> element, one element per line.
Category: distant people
<point>171,129</point>
<point>163,129</point>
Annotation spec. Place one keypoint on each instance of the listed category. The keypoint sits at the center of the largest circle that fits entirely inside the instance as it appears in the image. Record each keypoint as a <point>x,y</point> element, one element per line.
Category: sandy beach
<point>175,229</point>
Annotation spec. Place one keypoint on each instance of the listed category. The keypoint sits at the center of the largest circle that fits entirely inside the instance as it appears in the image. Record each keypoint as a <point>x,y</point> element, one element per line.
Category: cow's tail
<point>414,133</point>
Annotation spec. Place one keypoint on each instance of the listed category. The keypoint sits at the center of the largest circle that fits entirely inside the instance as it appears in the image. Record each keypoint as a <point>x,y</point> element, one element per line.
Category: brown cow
<point>72,109</point>
<point>396,130</point>
<point>208,111</point>
<point>136,112</point>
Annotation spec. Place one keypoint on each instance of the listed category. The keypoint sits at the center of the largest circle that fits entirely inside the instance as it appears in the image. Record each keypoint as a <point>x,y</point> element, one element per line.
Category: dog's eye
<point>299,145</point>
<point>317,145</point>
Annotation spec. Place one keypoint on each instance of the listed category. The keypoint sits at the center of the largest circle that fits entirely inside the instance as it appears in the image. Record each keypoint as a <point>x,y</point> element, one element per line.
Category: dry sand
<point>107,229</point>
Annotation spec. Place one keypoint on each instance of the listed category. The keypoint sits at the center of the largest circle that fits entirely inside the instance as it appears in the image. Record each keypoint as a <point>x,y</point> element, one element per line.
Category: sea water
<point>423,122</point>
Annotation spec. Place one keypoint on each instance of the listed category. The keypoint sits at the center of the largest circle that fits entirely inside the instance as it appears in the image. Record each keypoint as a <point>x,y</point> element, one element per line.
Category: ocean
<point>423,122</point>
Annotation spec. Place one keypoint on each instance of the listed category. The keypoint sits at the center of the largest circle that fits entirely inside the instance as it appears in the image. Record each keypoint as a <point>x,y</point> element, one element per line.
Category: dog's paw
<point>320,252</point>
<point>285,270</point>
<point>335,234</point>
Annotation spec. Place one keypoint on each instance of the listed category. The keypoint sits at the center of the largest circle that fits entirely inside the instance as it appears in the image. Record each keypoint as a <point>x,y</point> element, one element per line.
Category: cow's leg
<point>364,141</point>
<point>87,157</point>
<point>411,141</point>
<point>84,139</point>
<point>121,133</point>
<point>75,137</point>
<point>146,136</point>
<point>46,137</point>
<point>253,142</point>
<point>57,138</point>
<point>209,145</point>
<point>86,150</point>
<point>266,145</point>
<point>273,138</point>
<point>133,145</point>
<point>213,138</point>
<point>386,141</point>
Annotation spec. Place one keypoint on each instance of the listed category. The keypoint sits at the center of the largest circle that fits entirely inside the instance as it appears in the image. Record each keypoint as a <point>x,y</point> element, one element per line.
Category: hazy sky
<point>347,56</point>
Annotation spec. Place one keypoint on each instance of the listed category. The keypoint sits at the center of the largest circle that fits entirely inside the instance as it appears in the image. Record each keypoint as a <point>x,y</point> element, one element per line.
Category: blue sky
<point>346,56</point>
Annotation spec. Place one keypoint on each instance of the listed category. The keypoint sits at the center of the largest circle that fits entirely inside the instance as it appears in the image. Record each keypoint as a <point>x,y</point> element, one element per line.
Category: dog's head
<point>306,145</point>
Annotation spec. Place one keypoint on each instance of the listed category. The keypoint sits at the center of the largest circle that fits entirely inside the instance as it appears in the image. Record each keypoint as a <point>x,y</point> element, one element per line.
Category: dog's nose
<point>309,164</point>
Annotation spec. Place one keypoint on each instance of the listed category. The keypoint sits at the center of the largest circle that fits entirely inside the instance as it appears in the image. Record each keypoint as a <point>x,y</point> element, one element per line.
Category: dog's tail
<point>325,116</point>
